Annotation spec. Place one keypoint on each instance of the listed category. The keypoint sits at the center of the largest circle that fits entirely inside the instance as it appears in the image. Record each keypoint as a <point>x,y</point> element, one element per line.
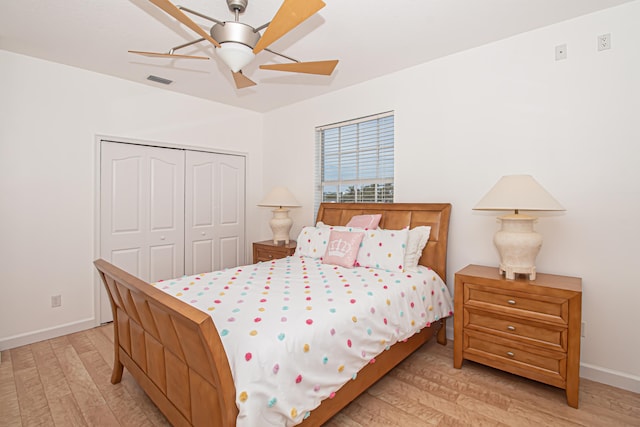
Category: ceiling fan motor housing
<point>237,32</point>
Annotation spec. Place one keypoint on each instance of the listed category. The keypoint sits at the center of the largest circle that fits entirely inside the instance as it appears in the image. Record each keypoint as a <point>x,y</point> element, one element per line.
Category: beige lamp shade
<point>518,192</point>
<point>517,242</point>
<point>280,198</point>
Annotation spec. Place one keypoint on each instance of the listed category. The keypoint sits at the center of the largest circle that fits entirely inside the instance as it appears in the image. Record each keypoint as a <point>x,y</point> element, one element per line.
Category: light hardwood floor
<point>65,382</point>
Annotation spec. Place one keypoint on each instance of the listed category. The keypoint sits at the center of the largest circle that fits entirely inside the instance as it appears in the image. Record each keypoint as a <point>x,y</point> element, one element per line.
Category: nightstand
<point>527,327</point>
<point>267,250</point>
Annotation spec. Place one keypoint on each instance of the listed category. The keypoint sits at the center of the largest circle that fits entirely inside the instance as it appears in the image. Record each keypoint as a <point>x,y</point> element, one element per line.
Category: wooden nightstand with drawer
<point>267,250</point>
<point>527,327</point>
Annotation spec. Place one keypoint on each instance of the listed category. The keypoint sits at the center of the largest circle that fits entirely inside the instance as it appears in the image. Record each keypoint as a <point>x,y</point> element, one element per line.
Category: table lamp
<point>282,199</point>
<point>517,242</point>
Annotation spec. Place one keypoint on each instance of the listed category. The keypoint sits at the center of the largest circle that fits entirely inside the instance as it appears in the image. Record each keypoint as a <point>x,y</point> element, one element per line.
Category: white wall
<point>464,121</point>
<point>50,115</point>
<point>461,123</point>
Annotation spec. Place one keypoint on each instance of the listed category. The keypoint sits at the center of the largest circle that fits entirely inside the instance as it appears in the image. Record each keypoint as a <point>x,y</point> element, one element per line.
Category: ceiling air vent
<point>159,80</point>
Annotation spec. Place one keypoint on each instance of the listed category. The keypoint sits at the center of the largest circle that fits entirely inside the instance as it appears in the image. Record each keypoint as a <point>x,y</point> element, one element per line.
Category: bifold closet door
<point>141,212</point>
<point>167,212</point>
<point>215,211</point>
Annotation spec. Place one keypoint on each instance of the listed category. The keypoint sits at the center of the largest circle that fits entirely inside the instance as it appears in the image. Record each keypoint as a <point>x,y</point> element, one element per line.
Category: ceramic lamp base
<point>281,225</point>
<point>518,244</point>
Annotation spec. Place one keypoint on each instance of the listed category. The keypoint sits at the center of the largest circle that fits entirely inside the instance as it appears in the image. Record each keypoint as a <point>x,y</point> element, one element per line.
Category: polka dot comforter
<point>295,330</point>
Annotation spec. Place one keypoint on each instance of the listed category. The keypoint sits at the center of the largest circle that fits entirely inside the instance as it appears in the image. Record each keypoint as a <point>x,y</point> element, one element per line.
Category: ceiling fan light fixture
<point>238,43</point>
<point>235,55</point>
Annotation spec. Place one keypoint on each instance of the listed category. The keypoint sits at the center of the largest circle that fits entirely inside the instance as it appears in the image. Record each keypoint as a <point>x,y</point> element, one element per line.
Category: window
<point>355,161</point>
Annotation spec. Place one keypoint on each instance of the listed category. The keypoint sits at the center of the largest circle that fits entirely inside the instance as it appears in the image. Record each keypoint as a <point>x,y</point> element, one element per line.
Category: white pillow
<point>417,240</point>
<point>312,242</point>
<point>383,249</point>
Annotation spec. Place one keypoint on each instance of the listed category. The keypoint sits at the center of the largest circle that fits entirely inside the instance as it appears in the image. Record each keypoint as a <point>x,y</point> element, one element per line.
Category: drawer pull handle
<point>511,302</point>
<point>270,256</point>
<point>511,328</point>
<point>510,354</point>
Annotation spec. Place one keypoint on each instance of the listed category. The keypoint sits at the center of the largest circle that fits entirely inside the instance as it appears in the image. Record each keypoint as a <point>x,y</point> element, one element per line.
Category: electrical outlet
<point>56,301</point>
<point>583,328</point>
<point>604,41</point>
<point>561,52</point>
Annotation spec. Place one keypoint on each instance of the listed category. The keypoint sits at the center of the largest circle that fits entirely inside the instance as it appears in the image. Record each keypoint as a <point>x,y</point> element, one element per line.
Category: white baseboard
<point>610,377</point>
<point>45,334</point>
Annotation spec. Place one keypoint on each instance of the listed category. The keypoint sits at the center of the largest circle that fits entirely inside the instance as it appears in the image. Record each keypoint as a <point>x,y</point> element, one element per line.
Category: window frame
<point>381,146</point>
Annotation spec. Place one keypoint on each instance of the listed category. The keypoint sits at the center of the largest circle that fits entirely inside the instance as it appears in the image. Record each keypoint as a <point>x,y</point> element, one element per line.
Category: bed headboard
<point>396,216</point>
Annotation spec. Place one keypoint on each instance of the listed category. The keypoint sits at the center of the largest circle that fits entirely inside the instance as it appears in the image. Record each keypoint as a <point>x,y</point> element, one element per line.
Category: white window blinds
<point>355,160</point>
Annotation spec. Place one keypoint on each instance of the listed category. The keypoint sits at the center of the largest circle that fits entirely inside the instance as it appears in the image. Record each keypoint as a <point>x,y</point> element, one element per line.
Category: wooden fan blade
<point>324,68</point>
<point>242,81</point>
<point>290,15</point>
<point>166,55</point>
<point>172,10</point>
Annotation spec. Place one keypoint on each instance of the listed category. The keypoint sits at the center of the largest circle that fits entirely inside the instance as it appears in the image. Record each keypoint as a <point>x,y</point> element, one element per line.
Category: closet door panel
<point>199,217</point>
<point>231,179</point>
<point>230,254</point>
<point>166,214</point>
<point>213,211</point>
<point>125,193</point>
<point>141,212</point>
<point>230,229</point>
<point>127,259</point>
<point>166,185</point>
<point>202,187</point>
<point>163,262</point>
<point>202,256</point>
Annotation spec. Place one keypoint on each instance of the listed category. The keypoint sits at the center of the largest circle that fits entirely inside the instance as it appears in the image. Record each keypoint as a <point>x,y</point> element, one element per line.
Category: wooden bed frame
<point>174,352</point>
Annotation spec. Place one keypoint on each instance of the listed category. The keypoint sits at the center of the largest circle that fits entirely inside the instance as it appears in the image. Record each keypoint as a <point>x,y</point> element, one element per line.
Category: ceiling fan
<point>237,43</point>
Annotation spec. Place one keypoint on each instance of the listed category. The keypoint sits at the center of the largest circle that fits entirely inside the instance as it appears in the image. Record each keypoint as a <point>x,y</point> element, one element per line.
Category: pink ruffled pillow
<point>369,222</point>
<point>343,248</point>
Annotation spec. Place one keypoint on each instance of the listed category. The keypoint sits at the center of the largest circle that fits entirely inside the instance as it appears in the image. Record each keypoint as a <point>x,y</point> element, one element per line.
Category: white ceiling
<point>369,37</point>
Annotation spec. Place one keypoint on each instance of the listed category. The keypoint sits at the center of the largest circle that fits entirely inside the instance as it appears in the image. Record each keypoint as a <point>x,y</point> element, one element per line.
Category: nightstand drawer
<point>530,362</point>
<point>268,251</point>
<point>528,332</point>
<point>269,254</point>
<point>518,304</point>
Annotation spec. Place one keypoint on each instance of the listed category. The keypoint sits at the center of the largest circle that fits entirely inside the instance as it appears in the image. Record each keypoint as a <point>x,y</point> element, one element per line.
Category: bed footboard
<point>172,350</point>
